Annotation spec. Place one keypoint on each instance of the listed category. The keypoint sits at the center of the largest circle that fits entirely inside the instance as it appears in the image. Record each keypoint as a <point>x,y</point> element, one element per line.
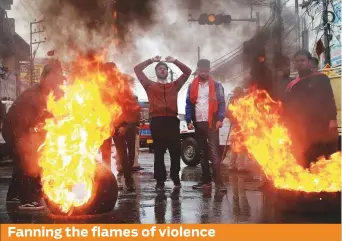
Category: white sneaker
<point>13,200</point>
<point>33,206</point>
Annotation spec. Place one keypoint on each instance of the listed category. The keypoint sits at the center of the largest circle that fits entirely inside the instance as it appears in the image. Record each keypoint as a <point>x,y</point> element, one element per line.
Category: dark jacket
<point>27,111</point>
<point>162,97</point>
<point>309,107</point>
<point>190,108</point>
<point>279,87</point>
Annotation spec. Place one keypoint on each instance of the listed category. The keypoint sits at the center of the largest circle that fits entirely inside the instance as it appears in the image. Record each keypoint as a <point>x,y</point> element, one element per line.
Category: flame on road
<point>267,141</point>
<point>82,120</point>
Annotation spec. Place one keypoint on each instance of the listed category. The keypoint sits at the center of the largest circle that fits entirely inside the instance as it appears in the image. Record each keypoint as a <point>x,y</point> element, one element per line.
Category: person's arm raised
<point>139,71</point>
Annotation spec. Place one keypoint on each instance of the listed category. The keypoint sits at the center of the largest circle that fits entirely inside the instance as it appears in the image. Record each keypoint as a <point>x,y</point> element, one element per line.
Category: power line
<point>339,40</point>
<point>226,59</point>
<point>26,9</point>
<point>230,52</point>
<point>226,54</point>
<point>241,46</point>
<point>288,32</point>
<point>28,2</point>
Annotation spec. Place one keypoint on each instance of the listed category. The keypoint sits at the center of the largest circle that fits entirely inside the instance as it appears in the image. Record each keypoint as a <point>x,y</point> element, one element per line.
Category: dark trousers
<point>125,147</point>
<point>166,135</point>
<point>27,188</point>
<point>208,141</point>
<point>106,151</point>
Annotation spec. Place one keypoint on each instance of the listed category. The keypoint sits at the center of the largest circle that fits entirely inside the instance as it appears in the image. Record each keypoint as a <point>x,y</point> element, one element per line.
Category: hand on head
<point>168,59</point>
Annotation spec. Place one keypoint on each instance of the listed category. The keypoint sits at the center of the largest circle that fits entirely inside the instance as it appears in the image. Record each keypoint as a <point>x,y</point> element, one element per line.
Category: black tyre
<point>189,152</point>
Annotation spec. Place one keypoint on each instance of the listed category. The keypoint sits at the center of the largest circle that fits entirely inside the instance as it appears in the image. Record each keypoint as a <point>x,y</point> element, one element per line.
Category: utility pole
<point>257,18</point>
<point>327,34</point>
<point>305,36</point>
<point>297,22</point>
<point>198,53</point>
<point>278,29</point>
<point>35,28</point>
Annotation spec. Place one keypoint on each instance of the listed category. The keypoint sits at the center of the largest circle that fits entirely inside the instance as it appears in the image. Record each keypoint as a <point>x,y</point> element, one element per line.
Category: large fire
<point>82,120</point>
<point>267,141</point>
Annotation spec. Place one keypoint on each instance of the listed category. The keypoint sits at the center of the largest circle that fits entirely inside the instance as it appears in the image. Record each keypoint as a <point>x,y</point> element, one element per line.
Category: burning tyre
<point>267,140</point>
<point>103,199</point>
<point>79,121</point>
<point>304,202</point>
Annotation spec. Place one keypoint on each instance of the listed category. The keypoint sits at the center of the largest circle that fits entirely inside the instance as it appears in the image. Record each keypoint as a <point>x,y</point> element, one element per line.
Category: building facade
<point>13,49</point>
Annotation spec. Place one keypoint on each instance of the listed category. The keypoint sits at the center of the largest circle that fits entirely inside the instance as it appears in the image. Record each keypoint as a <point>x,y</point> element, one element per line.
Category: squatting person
<point>23,140</point>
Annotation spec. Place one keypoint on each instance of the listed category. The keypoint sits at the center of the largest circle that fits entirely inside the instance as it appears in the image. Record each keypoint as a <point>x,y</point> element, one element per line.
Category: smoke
<point>93,24</point>
<point>174,35</point>
<point>142,29</point>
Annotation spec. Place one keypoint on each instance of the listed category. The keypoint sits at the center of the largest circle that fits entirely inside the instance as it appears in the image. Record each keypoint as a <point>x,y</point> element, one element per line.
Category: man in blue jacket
<point>205,111</point>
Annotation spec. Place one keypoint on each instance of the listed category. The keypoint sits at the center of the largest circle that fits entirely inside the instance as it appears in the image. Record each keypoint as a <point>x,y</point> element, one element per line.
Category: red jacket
<point>162,97</point>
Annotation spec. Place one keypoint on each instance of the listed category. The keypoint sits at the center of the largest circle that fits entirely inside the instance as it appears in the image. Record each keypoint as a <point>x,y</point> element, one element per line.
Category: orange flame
<point>268,142</point>
<point>82,120</point>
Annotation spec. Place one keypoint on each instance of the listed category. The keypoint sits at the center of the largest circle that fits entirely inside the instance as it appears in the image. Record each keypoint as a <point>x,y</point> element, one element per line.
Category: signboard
<point>38,69</point>
<point>336,47</point>
<point>24,72</point>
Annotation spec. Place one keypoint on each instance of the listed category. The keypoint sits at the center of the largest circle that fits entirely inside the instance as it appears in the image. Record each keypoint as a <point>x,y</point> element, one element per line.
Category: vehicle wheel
<point>189,152</point>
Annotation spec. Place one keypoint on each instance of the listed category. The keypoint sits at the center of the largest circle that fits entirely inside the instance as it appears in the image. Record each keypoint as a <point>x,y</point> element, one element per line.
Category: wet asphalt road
<point>243,203</point>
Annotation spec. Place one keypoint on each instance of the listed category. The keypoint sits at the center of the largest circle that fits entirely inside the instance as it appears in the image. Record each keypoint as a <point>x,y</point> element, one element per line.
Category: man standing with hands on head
<point>205,111</point>
<point>162,98</point>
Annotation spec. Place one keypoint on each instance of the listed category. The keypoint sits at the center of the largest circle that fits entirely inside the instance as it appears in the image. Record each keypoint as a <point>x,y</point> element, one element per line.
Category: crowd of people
<point>309,113</point>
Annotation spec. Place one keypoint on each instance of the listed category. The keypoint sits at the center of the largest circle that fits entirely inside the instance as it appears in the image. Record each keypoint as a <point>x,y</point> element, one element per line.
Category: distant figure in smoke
<point>23,137</point>
<point>125,129</point>
<point>237,157</point>
<point>314,64</point>
<point>282,79</point>
<point>310,112</point>
<point>124,140</point>
<point>205,111</point>
<point>165,130</point>
<point>136,165</point>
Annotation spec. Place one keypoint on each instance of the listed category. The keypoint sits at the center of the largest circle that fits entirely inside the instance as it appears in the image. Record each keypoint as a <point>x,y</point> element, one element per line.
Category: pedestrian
<point>136,165</point>
<point>106,147</point>
<point>22,138</point>
<point>238,156</point>
<point>124,140</point>
<point>106,152</point>
<point>205,111</point>
<point>314,64</point>
<point>2,112</point>
<point>310,112</point>
<point>164,110</point>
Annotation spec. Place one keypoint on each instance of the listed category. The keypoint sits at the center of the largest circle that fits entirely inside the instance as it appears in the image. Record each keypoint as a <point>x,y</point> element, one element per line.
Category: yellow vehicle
<point>335,79</point>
